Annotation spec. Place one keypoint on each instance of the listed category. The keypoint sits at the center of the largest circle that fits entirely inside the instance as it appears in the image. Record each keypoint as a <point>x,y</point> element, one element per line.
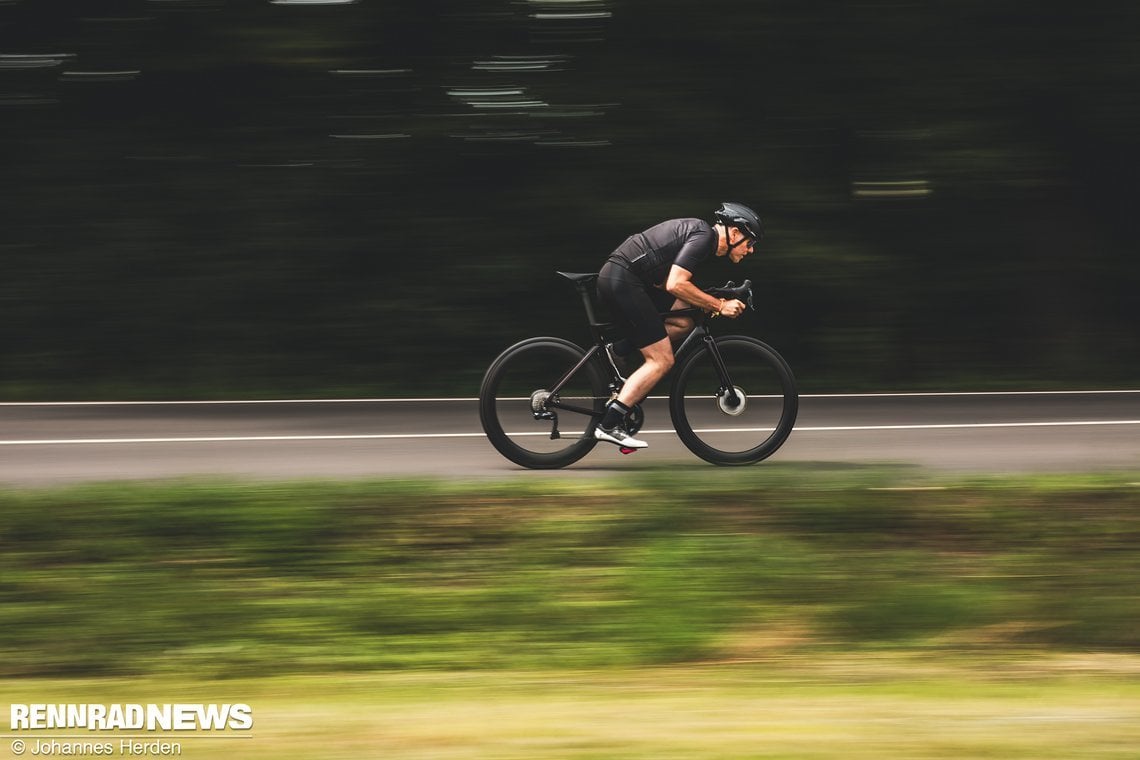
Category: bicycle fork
<point>727,391</point>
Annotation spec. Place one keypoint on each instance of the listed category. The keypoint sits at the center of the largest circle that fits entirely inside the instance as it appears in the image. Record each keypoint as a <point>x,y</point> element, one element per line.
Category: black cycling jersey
<point>632,282</point>
<point>650,254</point>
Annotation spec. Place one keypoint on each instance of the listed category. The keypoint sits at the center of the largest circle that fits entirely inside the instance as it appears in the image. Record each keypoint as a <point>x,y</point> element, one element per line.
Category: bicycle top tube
<point>584,282</point>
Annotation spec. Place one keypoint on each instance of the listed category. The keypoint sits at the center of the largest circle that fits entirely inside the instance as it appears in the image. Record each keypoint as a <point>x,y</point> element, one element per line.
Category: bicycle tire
<point>707,421</point>
<point>534,366</point>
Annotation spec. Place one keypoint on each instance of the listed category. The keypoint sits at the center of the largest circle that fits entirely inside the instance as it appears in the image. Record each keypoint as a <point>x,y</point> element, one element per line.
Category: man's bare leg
<point>658,361</point>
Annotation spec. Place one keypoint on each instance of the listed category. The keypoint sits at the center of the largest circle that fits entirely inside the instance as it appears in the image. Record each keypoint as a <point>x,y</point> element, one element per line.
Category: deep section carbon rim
<point>520,382</point>
<point>739,426</point>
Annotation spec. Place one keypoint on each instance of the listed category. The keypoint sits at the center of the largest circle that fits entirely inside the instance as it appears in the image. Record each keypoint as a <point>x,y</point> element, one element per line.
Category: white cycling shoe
<point>619,437</point>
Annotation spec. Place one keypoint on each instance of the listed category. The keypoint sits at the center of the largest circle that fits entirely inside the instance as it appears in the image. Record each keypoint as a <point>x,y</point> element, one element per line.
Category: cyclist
<point>652,272</point>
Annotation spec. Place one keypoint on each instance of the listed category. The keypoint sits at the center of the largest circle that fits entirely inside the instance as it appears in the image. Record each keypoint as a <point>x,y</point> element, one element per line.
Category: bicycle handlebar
<point>742,292</point>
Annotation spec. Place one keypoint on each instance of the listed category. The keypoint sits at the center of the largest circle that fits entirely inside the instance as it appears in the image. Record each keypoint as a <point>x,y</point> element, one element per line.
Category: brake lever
<point>748,284</point>
<point>745,289</point>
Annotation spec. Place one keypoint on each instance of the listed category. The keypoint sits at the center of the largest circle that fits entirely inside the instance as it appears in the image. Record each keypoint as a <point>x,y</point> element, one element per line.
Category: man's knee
<point>660,355</point>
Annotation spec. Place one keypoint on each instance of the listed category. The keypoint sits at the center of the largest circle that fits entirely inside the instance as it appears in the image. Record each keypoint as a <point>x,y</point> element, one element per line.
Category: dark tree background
<point>220,197</point>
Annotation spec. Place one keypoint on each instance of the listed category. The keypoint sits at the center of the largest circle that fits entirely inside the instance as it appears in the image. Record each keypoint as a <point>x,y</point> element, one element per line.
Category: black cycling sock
<point>615,413</point>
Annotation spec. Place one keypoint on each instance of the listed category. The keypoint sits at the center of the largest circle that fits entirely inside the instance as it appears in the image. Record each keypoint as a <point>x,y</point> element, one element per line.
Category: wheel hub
<point>731,406</point>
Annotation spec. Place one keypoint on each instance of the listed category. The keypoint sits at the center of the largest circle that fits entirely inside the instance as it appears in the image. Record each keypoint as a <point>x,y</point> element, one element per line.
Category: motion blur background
<point>219,197</point>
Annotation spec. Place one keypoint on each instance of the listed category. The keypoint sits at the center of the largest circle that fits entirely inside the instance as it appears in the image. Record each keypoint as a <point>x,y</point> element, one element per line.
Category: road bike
<point>732,399</point>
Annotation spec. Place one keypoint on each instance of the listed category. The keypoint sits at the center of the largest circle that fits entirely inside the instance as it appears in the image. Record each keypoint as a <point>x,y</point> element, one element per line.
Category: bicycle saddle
<point>580,278</point>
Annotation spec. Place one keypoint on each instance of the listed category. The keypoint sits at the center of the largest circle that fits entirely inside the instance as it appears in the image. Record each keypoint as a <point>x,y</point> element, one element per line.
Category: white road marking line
<point>231,402</point>
<point>237,402</point>
<point>411,436</point>
<point>237,439</point>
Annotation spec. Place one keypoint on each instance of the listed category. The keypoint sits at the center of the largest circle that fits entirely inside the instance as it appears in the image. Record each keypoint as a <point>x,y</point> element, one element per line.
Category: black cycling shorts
<point>634,306</point>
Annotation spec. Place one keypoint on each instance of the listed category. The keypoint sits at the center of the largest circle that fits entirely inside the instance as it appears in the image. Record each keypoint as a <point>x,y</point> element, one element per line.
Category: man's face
<point>737,254</point>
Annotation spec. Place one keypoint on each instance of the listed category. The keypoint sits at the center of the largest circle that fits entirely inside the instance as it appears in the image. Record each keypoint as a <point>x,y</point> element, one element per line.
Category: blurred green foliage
<point>220,198</point>
<point>246,580</point>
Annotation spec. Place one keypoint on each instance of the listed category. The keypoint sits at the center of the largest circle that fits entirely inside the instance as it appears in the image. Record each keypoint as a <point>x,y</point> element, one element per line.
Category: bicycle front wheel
<point>528,418</point>
<point>735,411</point>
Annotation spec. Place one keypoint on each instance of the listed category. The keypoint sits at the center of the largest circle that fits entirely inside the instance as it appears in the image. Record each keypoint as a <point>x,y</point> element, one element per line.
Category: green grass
<point>676,566</point>
<point>775,612</point>
<point>911,706</point>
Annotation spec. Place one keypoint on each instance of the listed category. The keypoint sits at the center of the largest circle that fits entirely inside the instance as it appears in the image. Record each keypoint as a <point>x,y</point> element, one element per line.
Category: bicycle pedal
<point>626,450</point>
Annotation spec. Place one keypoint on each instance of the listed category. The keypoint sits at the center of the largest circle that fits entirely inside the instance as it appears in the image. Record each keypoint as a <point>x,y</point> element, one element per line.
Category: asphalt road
<point>1008,432</point>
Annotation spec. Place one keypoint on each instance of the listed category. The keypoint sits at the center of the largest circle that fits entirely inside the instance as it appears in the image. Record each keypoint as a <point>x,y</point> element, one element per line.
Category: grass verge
<point>691,566</point>
<point>911,706</point>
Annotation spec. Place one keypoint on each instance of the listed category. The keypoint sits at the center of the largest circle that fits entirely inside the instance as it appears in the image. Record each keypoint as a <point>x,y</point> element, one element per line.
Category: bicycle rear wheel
<point>525,421</point>
<point>739,425</point>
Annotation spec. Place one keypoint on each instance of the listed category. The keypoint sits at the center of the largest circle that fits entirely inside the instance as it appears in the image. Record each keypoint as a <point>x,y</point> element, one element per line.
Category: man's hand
<point>732,309</point>
<point>681,286</point>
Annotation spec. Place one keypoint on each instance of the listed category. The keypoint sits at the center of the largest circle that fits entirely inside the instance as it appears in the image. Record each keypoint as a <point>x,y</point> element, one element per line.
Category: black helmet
<point>739,215</point>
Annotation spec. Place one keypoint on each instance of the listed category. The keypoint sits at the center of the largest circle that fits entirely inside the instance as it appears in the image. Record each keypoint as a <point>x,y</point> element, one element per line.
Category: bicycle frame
<point>700,332</point>
<point>553,400</point>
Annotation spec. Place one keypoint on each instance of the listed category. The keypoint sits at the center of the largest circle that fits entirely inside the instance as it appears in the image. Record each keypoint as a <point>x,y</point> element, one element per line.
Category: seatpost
<point>588,302</point>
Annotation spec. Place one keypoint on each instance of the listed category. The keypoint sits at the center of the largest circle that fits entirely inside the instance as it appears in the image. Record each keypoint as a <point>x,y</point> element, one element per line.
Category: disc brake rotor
<point>725,402</point>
